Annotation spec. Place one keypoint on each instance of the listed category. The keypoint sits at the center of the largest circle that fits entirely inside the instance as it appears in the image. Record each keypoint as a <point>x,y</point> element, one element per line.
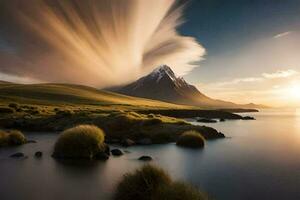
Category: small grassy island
<point>191,139</point>
<point>12,138</point>
<point>153,183</point>
<point>81,142</point>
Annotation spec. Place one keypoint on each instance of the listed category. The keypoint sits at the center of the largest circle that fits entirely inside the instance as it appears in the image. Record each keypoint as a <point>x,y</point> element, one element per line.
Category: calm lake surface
<point>259,160</point>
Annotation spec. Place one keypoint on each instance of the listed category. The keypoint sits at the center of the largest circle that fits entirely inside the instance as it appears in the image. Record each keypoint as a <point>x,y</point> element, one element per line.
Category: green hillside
<point>67,94</point>
<point>56,107</point>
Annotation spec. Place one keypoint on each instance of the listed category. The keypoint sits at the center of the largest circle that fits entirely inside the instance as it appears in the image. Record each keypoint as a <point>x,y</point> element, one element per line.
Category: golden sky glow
<point>103,43</point>
<point>273,65</point>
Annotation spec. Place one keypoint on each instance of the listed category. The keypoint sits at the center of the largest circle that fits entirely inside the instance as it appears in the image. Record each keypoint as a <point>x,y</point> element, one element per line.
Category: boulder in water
<point>145,158</point>
<point>116,152</point>
<point>17,155</point>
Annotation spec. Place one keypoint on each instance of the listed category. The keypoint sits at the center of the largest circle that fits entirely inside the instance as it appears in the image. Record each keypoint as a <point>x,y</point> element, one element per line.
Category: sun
<point>294,91</point>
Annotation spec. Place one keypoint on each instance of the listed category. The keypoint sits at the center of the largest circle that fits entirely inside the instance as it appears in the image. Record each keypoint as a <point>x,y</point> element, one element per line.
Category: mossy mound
<point>191,139</point>
<point>153,183</point>
<point>12,138</point>
<point>142,184</point>
<point>80,142</point>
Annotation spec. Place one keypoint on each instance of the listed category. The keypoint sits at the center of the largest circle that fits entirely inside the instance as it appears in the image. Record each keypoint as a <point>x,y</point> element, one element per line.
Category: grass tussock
<point>191,139</point>
<point>12,138</point>
<point>153,183</point>
<point>83,141</point>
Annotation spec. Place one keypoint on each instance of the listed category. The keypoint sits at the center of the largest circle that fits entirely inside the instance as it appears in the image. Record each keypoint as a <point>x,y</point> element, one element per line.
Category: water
<point>259,160</point>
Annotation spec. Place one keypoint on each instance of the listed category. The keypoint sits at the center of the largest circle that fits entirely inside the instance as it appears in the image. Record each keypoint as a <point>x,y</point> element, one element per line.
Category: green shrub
<point>11,138</point>
<point>151,115</point>
<point>142,184</point>
<point>65,113</point>
<point>33,112</point>
<point>83,141</point>
<point>153,183</point>
<point>191,139</point>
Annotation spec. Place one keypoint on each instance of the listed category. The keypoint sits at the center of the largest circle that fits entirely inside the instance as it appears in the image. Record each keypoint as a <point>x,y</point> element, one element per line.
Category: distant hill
<point>162,84</point>
<point>72,94</point>
<point>4,82</point>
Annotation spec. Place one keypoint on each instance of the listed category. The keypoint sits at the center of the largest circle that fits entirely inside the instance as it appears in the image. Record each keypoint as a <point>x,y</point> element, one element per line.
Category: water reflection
<point>258,160</point>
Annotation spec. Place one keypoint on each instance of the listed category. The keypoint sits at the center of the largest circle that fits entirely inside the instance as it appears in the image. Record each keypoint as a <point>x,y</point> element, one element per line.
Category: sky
<point>237,50</point>
<point>100,43</point>
<point>252,49</point>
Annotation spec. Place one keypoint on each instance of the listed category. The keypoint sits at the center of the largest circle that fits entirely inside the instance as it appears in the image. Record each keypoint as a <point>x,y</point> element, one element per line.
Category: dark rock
<point>107,149</point>
<point>208,132</point>
<point>145,158</point>
<point>222,120</point>
<point>31,141</point>
<point>17,155</point>
<point>112,141</point>
<point>145,141</point>
<point>101,156</point>
<point>248,118</point>
<point>38,154</point>
<point>116,152</point>
<point>127,143</point>
<point>206,120</point>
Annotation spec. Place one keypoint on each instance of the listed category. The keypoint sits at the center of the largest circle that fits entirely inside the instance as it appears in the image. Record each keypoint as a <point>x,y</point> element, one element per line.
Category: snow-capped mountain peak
<point>162,71</point>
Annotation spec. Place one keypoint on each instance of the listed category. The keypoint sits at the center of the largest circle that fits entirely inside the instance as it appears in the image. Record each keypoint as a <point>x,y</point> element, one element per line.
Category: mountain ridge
<point>162,84</point>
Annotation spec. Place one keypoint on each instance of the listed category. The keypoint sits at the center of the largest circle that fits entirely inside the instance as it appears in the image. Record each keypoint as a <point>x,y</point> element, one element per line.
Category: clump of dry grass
<point>191,139</point>
<point>83,141</point>
<point>11,138</point>
<point>153,183</point>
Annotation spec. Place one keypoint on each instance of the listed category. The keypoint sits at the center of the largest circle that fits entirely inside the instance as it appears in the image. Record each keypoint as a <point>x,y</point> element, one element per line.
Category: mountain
<point>162,84</point>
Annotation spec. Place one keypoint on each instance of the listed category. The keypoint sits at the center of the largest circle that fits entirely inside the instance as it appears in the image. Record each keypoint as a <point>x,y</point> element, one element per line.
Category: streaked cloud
<point>239,80</point>
<point>275,75</point>
<point>97,42</point>
<point>280,74</point>
<point>266,88</point>
<point>18,79</point>
<point>282,34</point>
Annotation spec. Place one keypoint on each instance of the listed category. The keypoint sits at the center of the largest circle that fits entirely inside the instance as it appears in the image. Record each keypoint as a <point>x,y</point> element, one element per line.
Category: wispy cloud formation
<point>239,80</point>
<point>99,42</point>
<point>275,75</point>
<point>282,34</point>
<point>267,88</point>
<point>17,79</point>
<point>280,74</point>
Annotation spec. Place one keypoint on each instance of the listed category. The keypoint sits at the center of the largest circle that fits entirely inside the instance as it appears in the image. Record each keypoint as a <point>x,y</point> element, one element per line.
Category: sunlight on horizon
<point>294,91</point>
